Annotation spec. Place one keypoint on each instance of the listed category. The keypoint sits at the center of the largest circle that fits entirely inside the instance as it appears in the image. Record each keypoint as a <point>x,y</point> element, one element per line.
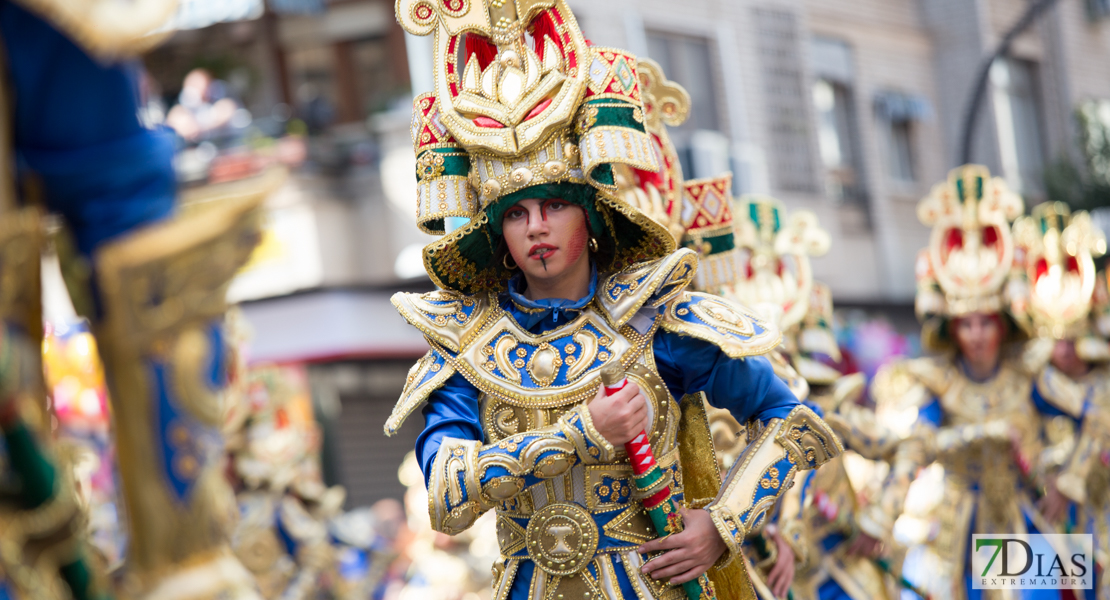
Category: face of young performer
<point>979,338</point>
<point>547,239</point>
<point>1067,360</point>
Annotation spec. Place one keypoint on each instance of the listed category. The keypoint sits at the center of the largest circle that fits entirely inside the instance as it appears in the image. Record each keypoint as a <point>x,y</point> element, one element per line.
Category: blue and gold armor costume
<point>1085,477</point>
<point>506,427</point>
<point>524,108</point>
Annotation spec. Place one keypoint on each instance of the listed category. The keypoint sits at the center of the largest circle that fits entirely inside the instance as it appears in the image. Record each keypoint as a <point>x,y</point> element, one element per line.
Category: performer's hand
<point>1054,505</point>
<point>866,546</point>
<point>782,573</point>
<point>689,553</point>
<point>621,417</point>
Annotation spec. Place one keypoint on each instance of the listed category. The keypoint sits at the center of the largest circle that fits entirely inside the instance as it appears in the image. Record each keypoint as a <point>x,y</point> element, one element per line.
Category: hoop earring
<point>505,261</point>
<point>593,244</point>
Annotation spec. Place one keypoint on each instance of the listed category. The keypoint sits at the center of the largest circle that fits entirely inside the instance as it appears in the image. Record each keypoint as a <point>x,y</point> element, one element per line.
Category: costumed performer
<point>553,278</point>
<point>1059,287</point>
<point>757,252</point>
<point>970,406</point>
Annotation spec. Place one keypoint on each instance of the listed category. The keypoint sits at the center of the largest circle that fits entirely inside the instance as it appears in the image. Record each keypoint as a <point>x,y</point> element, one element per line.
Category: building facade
<point>854,108</point>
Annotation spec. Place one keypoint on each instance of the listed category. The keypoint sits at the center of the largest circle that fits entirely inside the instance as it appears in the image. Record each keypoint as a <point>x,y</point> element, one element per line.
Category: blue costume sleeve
<point>452,411</point>
<point>76,127</point>
<point>1048,409</point>
<point>466,477</point>
<point>931,413</point>
<point>747,388</point>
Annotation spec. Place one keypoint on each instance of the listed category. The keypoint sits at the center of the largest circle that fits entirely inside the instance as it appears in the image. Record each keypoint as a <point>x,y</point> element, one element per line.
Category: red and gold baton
<point>650,481</point>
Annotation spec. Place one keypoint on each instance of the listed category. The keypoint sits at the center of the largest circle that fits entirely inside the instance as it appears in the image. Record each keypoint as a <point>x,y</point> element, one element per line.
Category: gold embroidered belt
<point>563,522</point>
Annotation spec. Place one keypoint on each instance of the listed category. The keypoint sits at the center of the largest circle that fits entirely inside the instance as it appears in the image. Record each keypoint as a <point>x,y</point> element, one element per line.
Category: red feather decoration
<point>482,47</point>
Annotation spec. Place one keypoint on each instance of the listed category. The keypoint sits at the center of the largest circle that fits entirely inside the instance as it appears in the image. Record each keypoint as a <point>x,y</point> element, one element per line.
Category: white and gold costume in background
<point>987,435</point>
<point>1060,296</point>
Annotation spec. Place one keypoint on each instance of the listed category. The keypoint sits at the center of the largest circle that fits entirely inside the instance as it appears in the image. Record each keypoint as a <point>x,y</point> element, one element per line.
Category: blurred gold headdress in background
<point>971,249</point>
<point>1056,274</point>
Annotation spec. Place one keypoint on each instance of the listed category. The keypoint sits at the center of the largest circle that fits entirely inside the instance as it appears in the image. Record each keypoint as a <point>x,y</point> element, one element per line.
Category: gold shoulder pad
<point>856,425</point>
<point>733,328</point>
<point>1061,392</point>
<point>424,378</point>
<point>623,294</point>
<point>909,383</point>
<point>108,28</point>
<point>447,318</point>
<point>1092,348</point>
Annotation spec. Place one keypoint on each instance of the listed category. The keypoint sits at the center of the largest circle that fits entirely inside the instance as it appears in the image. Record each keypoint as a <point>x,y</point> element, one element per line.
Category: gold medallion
<point>562,539</point>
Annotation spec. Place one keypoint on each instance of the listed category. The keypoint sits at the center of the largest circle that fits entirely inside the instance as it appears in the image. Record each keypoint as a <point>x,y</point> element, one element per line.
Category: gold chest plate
<point>558,368</point>
<point>503,417</point>
<point>968,402</point>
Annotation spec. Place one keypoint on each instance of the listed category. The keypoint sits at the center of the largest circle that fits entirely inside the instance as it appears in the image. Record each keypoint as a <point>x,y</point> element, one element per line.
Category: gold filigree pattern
<point>424,378</point>
<point>729,326</point>
<point>766,468</point>
<point>656,282</point>
<point>562,539</point>
<point>512,89</point>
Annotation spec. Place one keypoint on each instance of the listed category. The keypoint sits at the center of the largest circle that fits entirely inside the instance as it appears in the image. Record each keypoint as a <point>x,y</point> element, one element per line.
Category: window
<point>834,110</point>
<point>687,60</point>
<point>790,154</point>
<point>897,115</point>
<point>1098,9</point>
<point>900,150</point>
<point>1017,112</point>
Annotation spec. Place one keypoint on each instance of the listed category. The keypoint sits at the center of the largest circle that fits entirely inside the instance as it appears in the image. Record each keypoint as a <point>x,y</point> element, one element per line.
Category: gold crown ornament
<point>442,169</point>
<point>971,248</point>
<point>1055,251</point>
<point>522,108</point>
<point>658,194</point>
<point>775,276</point>
<point>706,216</point>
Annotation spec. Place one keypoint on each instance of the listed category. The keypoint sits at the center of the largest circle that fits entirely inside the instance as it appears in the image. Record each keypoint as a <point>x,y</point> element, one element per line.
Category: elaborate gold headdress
<point>522,101</point>
<point>658,194</point>
<point>971,249</point>
<point>1055,252</point>
<point>775,275</point>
